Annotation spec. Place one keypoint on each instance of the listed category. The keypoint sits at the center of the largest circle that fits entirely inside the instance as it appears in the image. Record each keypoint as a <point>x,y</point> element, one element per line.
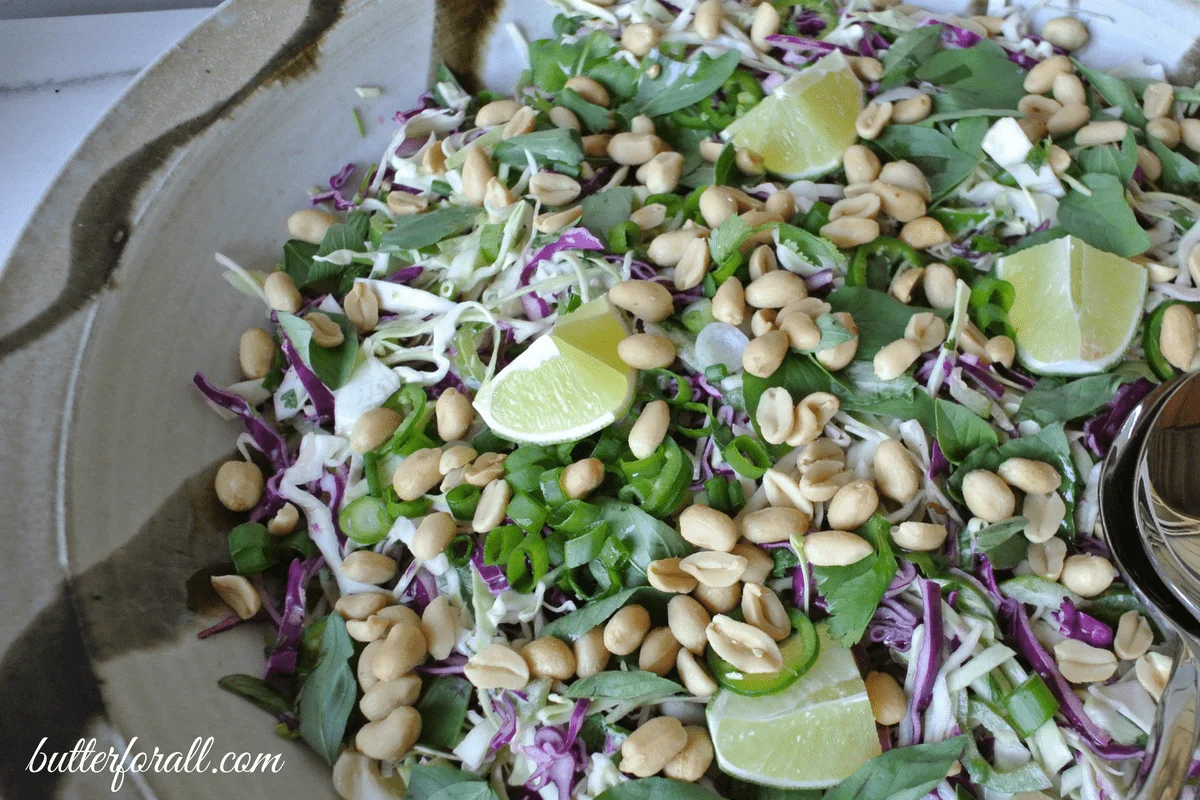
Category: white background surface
<point>57,78</point>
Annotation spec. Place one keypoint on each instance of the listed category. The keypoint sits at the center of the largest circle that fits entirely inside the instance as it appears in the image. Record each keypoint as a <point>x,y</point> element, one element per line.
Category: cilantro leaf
<point>853,592</point>
<point>1104,219</point>
<point>554,61</point>
<point>728,237</point>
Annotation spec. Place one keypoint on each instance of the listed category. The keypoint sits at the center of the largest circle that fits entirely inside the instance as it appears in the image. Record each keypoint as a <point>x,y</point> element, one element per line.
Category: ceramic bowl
<point>112,300</point>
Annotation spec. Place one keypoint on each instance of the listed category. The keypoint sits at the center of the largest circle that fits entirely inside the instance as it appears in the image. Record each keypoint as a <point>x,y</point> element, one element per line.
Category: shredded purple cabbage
<point>492,576</point>
<point>508,722</point>
<point>805,44</point>
<point>405,275</point>
<point>1070,706</point>
<point>232,620</point>
<point>318,392</point>
<point>282,660</point>
<point>1022,60</point>
<point>954,37</point>
<point>1101,431</point>
<point>556,755</point>
<point>938,463</point>
<point>981,374</point>
<point>892,625</point>
<point>929,661</point>
<point>572,239</point>
<point>1075,624</point>
<point>987,575</point>
<point>820,283</point>
<point>809,22</point>
<point>265,437</point>
<point>906,573</point>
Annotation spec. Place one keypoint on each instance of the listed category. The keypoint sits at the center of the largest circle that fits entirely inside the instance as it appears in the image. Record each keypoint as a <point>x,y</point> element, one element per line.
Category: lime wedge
<point>803,126</point>
<point>812,734</point>
<point>1076,308</point>
<point>568,384</point>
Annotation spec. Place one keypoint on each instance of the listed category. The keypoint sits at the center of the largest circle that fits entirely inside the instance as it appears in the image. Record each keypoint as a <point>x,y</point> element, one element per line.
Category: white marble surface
<point>57,78</point>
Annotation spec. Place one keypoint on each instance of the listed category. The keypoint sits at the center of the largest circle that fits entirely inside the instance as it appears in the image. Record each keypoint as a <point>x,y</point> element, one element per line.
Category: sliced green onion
<point>460,550</point>
<point>463,500</point>
<point>524,456</point>
<point>572,517</point>
<point>705,429</point>
<point>587,546</point>
<point>488,442</point>
<point>728,268</point>
<point>251,548</point>
<point>697,315</point>
<point>551,484</point>
<point>526,479</point>
<point>608,449</point>
<point>816,218</point>
<point>406,508</point>
<point>657,382</point>
<point>366,520</point>
<point>672,202</point>
<point>565,453</point>
<point>371,471</point>
<point>716,373</point>
<point>528,563</point>
<point>500,544</point>
<point>412,403</point>
<point>737,496</point>
<point>615,553</point>
<point>490,239</point>
<point>358,123</point>
<point>1030,705</point>
<point>691,204</point>
<point>526,512</point>
<point>748,457</point>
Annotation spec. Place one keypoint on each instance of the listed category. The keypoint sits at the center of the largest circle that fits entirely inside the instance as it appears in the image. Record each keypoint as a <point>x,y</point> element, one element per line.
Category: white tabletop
<point>58,76</point>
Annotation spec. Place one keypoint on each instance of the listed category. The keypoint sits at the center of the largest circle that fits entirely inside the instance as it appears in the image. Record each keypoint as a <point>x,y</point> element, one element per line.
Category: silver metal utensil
<point>1150,519</point>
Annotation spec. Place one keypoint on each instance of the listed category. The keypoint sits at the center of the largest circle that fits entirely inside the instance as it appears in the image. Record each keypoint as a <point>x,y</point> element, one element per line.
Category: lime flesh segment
<point>1077,308</point>
<point>568,384</point>
<point>812,734</point>
<point>802,128</point>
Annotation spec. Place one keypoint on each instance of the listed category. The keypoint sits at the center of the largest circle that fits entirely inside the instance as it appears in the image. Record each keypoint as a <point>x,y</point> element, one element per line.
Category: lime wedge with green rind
<point>1077,308</point>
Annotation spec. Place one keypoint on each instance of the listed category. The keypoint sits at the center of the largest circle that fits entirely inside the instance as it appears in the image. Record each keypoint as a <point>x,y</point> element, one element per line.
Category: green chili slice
<point>748,457</point>
<point>463,500</point>
<point>876,262</point>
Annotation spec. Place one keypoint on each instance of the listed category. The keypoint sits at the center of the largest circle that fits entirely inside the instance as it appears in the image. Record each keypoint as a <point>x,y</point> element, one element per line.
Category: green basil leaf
<point>327,697</point>
<point>881,318</point>
<point>853,592</point>
<point>1115,91</point>
<point>1049,445</point>
<point>1179,173</point>
<point>258,692</point>
<point>332,365</point>
<point>906,773</point>
<point>799,374</point>
<point>428,782</point>
<point>723,169</point>
<point>298,262</point>
<point>960,431</point>
<point>422,230</point>
<point>597,612</point>
<point>603,211</point>
<point>647,538</point>
<point>657,789</point>
<point>623,685</point>
<point>944,164</point>
<point>348,235</point>
<point>594,118</point>
<point>443,708</point>
<point>559,149</point>
<point>681,83</point>
<point>1118,162</point>
<point>833,332</point>
<point>1105,219</point>
<point>980,76</point>
<point>1051,400</point>
<point>910,50</point>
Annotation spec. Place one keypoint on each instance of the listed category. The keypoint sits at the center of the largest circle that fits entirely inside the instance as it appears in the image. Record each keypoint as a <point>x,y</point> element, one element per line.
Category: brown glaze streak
<point>141,596</point>
<point>460,34</point>
<point>104,220</point>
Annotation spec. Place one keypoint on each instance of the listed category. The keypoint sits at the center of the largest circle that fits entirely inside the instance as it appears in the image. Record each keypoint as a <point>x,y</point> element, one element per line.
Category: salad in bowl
<point>721,413</point>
